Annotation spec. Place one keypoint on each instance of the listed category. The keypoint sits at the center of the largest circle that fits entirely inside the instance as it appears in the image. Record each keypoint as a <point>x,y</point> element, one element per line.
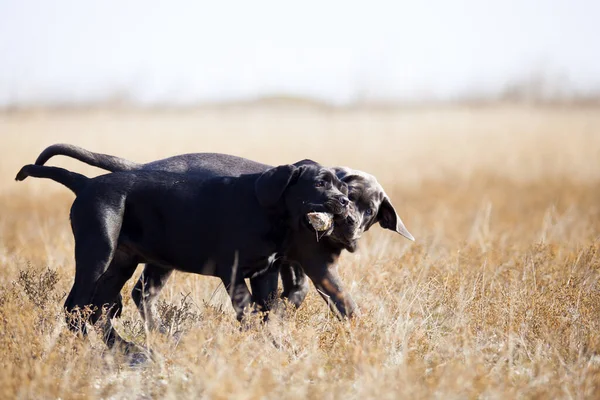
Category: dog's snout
<point>344,201</point>
<point>350,220</point>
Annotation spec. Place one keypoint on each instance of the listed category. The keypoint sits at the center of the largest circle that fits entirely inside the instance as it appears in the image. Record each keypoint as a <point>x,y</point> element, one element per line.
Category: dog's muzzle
<point>339,207</point>
<point>347,229</point>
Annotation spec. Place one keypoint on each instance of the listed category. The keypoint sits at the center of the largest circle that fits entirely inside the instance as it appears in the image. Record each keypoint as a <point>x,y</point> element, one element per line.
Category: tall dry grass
<point>499,297</point>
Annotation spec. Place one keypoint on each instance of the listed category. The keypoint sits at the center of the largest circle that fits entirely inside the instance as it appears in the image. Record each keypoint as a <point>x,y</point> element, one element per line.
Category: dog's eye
<point>320,184</point>
<point>369,211</point>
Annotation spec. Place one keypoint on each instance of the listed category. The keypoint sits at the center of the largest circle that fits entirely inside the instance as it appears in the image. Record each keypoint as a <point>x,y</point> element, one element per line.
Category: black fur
<point>221,227</point>
<point>369,205</point>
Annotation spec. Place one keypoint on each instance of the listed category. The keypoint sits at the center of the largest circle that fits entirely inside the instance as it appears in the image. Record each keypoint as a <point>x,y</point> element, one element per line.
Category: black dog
<point>369,205</point>
<point>224,227</point>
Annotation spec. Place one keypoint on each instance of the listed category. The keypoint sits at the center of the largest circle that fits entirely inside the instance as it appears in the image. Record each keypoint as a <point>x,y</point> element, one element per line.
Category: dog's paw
<point>138,356</point>
<point>139,359</point>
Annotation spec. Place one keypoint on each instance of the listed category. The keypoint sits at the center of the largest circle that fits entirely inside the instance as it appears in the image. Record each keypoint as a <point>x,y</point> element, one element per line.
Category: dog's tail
<point>104,161</point>
<point>72,180</point>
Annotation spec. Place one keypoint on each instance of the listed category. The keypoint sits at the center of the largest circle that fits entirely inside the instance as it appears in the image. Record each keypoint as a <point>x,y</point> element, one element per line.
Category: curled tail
<point>72,180</point>
<point>104,161</point>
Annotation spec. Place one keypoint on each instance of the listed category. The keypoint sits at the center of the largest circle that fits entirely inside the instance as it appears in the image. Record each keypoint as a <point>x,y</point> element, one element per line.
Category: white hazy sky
<point>337,51</point>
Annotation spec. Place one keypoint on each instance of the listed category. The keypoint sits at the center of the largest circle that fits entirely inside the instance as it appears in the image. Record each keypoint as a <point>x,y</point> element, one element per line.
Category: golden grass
<point>499,297</point>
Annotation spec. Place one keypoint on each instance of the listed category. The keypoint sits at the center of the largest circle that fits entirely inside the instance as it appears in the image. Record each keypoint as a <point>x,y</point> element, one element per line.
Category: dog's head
<point>369,205</point>
<point>301,189</point>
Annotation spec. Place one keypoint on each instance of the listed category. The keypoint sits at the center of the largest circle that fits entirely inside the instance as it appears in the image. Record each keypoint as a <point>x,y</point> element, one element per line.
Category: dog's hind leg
<point>107,296</point>
<point>96,225</point>
<point>147,290</point>
<point>92,257</point>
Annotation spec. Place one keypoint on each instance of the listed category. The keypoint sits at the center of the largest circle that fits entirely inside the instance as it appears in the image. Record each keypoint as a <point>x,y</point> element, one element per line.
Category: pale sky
<point>337,51</point>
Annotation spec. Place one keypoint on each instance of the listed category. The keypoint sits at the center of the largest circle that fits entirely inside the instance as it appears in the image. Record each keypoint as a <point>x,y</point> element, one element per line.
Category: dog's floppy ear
<point>389,219</point>
<point>272,183</point>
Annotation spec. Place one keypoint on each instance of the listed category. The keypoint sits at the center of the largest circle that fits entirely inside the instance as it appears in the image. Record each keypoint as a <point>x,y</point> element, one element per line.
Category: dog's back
<point>185,221</point>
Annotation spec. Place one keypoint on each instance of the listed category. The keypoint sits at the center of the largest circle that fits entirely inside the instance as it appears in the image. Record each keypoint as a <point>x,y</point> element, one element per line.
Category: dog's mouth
<point>319,234</point>
<point>346,233</point>
<point>335,211</point>
<point>334,207</point>
<point>336,229</point>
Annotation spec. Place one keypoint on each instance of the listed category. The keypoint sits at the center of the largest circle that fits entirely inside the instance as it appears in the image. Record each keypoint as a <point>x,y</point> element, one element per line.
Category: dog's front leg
<point>146,292</point>
<point>264,289</point>
<point>329,285</point>
<point>295,282</point>
<point>239,294</point>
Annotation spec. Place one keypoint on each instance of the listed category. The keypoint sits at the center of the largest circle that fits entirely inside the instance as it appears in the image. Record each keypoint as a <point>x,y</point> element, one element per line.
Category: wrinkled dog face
<point>317,189</point>
<point>368,204</point>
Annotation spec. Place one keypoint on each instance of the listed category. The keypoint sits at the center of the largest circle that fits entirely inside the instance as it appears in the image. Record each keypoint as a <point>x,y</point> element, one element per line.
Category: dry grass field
<point>499,297</point>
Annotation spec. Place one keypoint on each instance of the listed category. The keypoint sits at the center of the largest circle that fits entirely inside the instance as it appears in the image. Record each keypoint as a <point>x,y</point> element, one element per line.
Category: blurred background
<point>337,52</point>
<point>481,120</point>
